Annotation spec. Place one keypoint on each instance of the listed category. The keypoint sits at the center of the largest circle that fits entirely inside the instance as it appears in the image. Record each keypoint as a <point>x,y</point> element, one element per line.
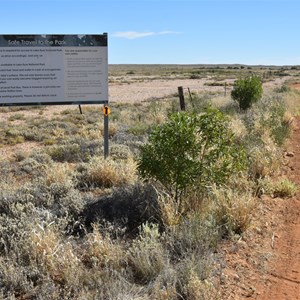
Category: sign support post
<point>106,146</point>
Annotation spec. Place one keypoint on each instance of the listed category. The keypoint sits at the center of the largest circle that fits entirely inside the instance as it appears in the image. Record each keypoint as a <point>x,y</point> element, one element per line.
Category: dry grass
<point>265,158</point>
<point>101,251</point>
<point>57,173</point>
<point>108,172</point>
<point>232,210</point>
<point>146,256</point>
<point>55,256</point>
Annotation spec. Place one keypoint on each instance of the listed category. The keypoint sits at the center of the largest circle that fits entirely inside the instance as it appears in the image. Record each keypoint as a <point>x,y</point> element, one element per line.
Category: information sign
<point>53,69</point>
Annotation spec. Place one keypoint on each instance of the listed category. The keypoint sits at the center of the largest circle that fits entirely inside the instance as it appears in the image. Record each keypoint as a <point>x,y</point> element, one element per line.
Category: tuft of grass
<point>146,256</point>
<point>232,210</point>
<point>284,188</point>
<point>58,173</point>
<point>56,258</point>
<point>184,238</point>
<point>100,251</point>
<point>107,173</point>
<point>16,117</point>
<point>199,289</point>
<point>170,210</point>
<point>265,156</point>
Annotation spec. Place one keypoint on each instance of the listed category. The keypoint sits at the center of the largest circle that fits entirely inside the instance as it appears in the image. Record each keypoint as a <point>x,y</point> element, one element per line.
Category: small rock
<point>242,244</point>
<point>223,279</point>
<point>258,230</point>
<point>290,154</point>
<point>236,277</point>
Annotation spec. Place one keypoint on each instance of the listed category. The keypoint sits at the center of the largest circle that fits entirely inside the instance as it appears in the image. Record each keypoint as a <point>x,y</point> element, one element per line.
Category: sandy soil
<point>156,89</point>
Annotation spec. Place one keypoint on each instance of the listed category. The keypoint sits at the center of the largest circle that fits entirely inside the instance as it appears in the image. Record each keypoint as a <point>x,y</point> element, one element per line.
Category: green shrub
<point>247,91</point>
<point>190,150</point>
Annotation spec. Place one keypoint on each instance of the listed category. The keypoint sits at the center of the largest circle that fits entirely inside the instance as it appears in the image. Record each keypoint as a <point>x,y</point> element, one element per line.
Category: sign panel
<point>53,69</point>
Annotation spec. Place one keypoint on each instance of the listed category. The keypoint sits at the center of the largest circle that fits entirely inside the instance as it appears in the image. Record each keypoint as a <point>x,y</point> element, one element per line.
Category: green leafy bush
<point>247,91</point>
<point>191,150</point>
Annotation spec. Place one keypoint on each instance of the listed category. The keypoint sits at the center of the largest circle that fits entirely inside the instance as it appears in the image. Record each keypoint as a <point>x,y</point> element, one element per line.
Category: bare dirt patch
<point>296,86</point>
<point>8,152</point>
<point>156,89</point>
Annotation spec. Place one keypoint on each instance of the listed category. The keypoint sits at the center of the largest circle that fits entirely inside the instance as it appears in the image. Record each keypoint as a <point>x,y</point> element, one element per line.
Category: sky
<point>251,32</point>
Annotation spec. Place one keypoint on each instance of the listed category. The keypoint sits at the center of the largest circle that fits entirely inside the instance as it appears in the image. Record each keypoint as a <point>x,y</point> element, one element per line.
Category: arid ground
<point>263,263</point>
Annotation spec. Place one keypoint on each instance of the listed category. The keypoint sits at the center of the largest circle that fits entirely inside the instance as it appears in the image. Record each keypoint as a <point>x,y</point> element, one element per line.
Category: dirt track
<point>283,278</point>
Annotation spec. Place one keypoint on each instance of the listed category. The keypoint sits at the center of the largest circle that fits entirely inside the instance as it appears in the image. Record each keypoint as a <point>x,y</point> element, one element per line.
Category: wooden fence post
<point>181,98</point>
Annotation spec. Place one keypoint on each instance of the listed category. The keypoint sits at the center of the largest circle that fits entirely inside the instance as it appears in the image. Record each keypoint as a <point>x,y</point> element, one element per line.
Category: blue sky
<point>169,31</point>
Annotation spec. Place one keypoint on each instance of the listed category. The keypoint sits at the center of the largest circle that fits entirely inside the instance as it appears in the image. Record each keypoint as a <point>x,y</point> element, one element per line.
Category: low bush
<point>127,207</point>
<point>74,150</point>
<point>146,256</point>
<point>190,150</point>
<point>247,91</point>
<point>184,238</point>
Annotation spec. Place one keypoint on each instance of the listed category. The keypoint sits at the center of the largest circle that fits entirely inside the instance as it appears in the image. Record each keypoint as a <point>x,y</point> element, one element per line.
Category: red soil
<point>264,264</point>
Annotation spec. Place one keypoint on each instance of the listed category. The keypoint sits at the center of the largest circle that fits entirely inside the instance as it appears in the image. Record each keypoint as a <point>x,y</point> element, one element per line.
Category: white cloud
<point>132,35</point>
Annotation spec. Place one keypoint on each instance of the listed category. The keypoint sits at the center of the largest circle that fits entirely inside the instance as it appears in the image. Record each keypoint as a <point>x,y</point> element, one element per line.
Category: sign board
<point>53,69</point>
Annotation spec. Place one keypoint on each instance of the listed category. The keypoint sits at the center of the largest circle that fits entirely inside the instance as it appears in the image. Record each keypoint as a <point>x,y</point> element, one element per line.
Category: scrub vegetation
<point>146,223</point>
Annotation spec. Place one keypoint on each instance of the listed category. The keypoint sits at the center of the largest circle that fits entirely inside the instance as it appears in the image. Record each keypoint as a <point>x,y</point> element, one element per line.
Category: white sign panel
<point>53,69</point>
